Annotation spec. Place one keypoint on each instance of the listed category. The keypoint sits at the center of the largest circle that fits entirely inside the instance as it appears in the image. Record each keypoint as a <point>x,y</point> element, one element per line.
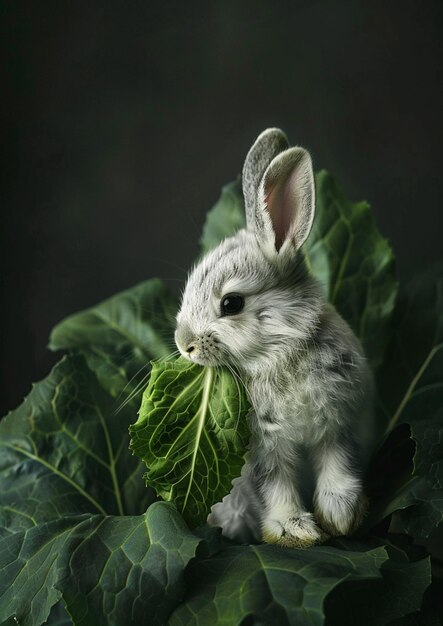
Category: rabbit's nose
<point>185,339</point>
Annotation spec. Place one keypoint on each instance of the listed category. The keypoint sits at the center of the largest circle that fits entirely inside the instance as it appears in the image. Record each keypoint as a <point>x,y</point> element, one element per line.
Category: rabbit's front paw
<point>340,513</point>
<point>299,531</point>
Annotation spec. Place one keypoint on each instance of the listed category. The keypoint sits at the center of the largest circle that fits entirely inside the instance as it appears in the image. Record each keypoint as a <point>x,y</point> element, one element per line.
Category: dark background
<point>122,120</point>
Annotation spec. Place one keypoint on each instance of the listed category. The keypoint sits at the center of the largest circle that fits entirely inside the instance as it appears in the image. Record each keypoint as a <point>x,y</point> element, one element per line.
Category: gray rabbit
<point>251,305</point>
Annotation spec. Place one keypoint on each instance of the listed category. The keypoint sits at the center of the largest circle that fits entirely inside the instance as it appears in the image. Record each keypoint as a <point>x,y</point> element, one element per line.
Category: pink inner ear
<point>281,208</point>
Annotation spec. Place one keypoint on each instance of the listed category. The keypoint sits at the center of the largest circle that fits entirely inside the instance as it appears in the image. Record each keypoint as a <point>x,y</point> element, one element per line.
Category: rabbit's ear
<point>268,145</point>
<point>287,195</point>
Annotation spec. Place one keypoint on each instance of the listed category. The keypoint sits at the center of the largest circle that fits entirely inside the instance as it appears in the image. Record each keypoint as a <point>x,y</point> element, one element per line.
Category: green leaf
<point>59,616</point>
<point>192,434</point>
<point>270,585</point>
<point>411,390</point>
<point>411,380</point>
<point>65,451</point>
<point>345,251</point>
<point>108,570</point>
<point>225,218</point>
<point>397,594</point>
<point>388,478</point>
<point>121,335</point>
<point>420,510</point>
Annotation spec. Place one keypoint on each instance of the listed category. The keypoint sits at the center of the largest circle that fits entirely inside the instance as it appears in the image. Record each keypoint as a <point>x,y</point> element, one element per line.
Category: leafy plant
<point>192,434</point>
<point>84,541</point>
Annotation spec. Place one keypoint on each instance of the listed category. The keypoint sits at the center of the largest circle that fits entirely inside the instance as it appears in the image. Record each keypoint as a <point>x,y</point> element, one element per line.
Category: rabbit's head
<point>251,297</point>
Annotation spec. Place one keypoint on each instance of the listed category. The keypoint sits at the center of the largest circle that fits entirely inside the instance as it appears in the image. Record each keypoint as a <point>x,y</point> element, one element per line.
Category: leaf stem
<point>202,414</point>
<point>111,463</point>
<point>410,389</point>
<point>344,258</point>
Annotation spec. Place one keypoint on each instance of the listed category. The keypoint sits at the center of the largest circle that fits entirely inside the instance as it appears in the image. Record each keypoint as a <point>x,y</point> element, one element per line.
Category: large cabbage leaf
<point>65,451</point>
<point>109,570</point>
<point>347,253</point>
<point>192,434</point>
<point>269,585</point>
<point>120,336</point>
<point>73,520</point>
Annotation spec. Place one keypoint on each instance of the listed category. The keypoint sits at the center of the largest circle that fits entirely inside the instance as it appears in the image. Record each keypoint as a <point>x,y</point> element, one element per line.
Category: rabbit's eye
<point>231,304</point>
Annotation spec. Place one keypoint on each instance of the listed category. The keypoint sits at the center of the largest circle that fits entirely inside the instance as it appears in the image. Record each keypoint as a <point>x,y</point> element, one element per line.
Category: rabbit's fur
<point>304,370</point>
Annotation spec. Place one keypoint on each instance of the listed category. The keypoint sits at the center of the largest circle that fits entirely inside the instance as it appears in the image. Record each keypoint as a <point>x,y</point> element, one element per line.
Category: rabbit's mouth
<point>204,361</point>
<point>200,357</point>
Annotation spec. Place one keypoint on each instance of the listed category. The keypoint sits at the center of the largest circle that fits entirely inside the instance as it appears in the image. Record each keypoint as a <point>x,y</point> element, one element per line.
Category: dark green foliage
<point>120,336</point>
<point>81,538</point>
<point>411,390</point>
<point>355,264</point>
<point>271,585</point>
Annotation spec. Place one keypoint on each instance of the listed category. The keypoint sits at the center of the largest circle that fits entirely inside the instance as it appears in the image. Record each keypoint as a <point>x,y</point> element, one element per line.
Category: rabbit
<point>251,304</point>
